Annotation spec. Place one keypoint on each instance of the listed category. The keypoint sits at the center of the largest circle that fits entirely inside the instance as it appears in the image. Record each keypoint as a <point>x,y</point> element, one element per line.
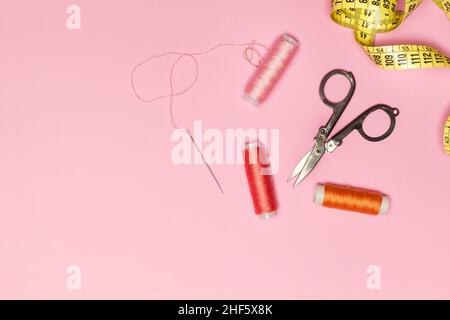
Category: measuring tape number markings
<point>369,17</point>
<point>447,136</point>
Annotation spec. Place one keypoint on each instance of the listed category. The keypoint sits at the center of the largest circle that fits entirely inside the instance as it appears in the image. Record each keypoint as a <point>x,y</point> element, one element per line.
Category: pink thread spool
<point>271,69</point>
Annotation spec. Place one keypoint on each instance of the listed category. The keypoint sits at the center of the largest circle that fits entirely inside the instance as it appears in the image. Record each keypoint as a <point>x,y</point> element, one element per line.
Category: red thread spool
<point>260,180</point>
<point>271,69</point>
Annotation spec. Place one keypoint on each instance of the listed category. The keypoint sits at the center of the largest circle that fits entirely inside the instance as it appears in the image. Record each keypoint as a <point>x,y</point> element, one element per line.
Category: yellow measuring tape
<point>447,136</point>
<point>369,17</point>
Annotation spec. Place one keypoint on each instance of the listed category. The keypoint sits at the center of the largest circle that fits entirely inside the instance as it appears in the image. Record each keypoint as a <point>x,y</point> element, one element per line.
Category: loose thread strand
<point>248,54</point>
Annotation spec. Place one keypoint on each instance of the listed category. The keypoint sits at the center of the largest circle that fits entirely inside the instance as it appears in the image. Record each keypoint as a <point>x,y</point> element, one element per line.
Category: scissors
<point>321,142</point>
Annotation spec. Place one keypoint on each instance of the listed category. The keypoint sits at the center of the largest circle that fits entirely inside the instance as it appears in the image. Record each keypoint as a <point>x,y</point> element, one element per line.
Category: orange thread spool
<point>351,199</point>
<point>260,180</point>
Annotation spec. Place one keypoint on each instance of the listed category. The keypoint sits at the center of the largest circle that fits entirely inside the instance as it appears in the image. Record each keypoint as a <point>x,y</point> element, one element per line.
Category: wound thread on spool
<point>271,69</point>
<point>260,181</point>
<point>351,199</point>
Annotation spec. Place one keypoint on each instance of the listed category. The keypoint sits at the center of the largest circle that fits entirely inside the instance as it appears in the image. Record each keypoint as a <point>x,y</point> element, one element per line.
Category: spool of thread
<point>447,136</point>
<point>351,199</point>
<point>260,180</point>
<point>271,69</point>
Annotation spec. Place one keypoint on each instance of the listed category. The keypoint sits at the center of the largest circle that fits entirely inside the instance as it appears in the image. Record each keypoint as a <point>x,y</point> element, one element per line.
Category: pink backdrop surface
<point>87,178</point>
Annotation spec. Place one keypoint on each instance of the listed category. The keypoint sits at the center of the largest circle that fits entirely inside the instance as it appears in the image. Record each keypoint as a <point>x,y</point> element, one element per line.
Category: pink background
<point>87,179</point>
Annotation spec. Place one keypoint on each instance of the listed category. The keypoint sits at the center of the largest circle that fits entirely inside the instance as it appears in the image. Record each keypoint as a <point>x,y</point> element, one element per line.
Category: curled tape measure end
<point>368,18</point>
<point>447,136</point>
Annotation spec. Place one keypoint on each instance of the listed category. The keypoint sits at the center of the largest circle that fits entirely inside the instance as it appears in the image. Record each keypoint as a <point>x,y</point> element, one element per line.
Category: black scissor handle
<point>338,107</point>
<point>357,124</point>
<point>341,104</point>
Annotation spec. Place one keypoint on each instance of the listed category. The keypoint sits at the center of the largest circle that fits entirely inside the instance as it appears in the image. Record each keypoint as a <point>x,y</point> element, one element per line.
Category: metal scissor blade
<point>309,166</point>
<point>308,163</point>
<point>299,167</point>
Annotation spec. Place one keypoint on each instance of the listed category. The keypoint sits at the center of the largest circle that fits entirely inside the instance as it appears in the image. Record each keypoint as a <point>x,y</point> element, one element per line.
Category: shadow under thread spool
<point>351,199</point>
<point>447,136</point>
<point>270,69</point>
<point>260,181</point>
